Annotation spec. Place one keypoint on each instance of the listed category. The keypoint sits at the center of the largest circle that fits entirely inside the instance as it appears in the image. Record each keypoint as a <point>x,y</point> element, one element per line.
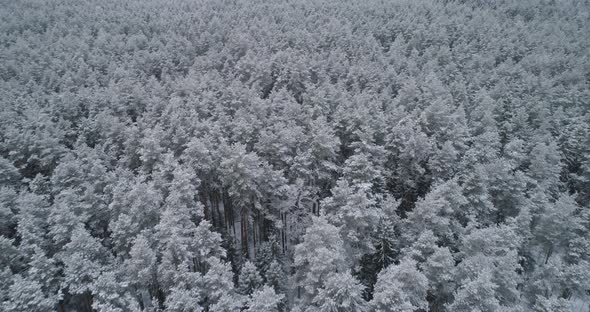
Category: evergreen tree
<point>249,279</point>
<point>353,210</point>
<point>341,155</point>
<point>400,288</point>
<point>264,300</point>
<point>340,292</point>
<point>321,253</point>
<point>27,295</point>
<point>476,293</point>
<point>276,277</point>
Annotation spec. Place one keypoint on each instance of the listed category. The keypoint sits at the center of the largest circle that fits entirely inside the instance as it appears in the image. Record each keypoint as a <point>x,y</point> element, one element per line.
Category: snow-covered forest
<point>283,155</point>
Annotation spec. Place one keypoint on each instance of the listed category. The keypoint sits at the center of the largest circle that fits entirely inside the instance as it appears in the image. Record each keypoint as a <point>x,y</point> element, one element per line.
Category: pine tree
<point>414,156</point>
<point>321,253</point>
<point>276,277</point>
<point>8,172</point>
<point>141,269</point>
<point>218,288</point>
<point>476,293</point>
<point>135,206</point>
<point>264,300</point>
<point>400,288</point>
<point>45,271</point>
<point>340,292</point>
<point>267,253</point>
<point>27,295</point>
<point>112,294</point>
<point>496,249</point>
<point>409,150</point>
<point>68,212</point>
<point>441,211</point>
<point>546,167</point>
<point>318,162</point>
<point>353,209</point>
<point>249,279</point>
<point>83,259</point>
<point>8,221</point>
<point>32,221</point>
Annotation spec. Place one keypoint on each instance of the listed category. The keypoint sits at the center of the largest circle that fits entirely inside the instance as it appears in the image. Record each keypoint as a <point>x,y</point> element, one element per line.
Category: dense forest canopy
<point>282,155</point>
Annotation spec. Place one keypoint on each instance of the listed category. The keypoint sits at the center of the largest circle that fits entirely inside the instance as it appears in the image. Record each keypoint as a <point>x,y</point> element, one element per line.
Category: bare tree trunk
<point>206,208</point>
<point>318,207</point>
<point>244,232</point>
<point>230,209</point>
<point>88,301</point>
<point>254,228</point>
<point>207,202</point>
<point>217,211</point>
<point>145,298</point>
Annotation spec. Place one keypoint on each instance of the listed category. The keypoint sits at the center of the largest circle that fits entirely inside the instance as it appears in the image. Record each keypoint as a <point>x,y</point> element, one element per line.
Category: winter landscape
<point>305,156</point>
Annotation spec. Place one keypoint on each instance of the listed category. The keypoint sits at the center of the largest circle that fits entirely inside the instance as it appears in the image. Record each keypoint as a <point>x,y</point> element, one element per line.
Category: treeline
<point>313,155</point>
